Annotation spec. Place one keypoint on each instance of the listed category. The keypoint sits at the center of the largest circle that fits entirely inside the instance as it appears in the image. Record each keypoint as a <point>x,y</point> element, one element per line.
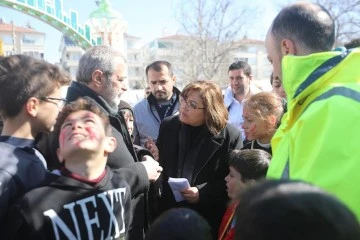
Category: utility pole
<point>1,48</point>
<point>13,38</point>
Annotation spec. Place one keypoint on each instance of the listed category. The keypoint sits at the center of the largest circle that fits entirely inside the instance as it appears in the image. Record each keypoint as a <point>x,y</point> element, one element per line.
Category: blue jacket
<point>22,168</point>
<point>147,119</point>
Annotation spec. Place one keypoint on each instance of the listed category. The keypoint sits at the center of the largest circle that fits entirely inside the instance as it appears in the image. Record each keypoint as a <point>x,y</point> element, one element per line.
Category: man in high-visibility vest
<point>318,140</point>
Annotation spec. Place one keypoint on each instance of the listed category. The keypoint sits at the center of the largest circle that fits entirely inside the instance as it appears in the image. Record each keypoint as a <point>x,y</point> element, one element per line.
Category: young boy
<point>30,99</point>
<point>150,148</point>
<point>88,200</point>
<point>245,166</point>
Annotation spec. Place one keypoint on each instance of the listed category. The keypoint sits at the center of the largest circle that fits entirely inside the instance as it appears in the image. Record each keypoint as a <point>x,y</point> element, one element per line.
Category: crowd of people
<point>190,164</point>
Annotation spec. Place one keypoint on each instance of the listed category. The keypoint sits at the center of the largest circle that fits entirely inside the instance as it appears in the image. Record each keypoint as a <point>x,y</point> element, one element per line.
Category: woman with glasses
<point>193,145</point>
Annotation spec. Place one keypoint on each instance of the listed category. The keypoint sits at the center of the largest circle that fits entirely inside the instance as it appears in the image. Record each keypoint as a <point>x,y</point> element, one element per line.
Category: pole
<point>13,38</point>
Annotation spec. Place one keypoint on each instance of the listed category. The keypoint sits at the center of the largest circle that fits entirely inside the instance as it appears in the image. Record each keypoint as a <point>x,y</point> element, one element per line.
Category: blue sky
<point>146,19</point>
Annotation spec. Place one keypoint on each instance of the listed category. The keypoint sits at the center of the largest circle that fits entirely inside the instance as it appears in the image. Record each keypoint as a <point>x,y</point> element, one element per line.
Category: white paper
<point>177,185</point>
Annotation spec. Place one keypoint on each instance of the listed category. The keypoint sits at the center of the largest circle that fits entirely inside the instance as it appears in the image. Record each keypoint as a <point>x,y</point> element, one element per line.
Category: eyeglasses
<point>189,104</point>
<point>60,102</point>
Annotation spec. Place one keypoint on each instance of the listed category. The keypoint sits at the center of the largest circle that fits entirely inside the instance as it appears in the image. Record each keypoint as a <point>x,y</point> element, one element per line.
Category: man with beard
<point>162,102</point>
<point>102,77</point>
<point>240,88</point>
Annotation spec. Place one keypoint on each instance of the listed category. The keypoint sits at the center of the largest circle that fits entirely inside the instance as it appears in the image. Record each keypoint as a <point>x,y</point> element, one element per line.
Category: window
<point>241,59</point>
<point>28,39</point>
<point>34,54</point>
<point>7,39</point>
<point>165,45</point>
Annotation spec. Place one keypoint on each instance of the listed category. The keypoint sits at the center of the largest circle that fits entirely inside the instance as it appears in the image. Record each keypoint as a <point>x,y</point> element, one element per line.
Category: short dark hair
<point>241,65</point>
<point>310,25</point>
<point>23,77</point>
<point>354,43</point>
<point>250,163</point>
<point>157,66</point>
<point>294,210</point>
<point>179,224</point>
<point>78,105</point>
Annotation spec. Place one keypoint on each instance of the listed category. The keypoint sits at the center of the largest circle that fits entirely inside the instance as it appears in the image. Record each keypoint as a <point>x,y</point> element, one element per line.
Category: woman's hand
<point>191,194</point>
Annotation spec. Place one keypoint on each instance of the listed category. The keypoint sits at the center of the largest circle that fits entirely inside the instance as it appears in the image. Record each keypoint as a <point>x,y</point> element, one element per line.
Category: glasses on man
<point>190,104</point>
<point>60,102</point>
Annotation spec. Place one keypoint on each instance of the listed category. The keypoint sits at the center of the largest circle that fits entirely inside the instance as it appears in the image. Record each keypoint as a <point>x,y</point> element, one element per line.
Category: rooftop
<point>175,37</point>
<point>8,27</point>
<point>184,37</point>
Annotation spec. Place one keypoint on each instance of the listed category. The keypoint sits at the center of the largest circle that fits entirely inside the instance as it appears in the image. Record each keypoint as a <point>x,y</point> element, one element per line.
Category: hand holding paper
<point>191,194</point>
<point>177,185</point>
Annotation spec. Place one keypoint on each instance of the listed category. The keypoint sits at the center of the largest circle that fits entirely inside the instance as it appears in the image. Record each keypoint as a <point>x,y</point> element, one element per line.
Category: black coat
<point>210,168</point>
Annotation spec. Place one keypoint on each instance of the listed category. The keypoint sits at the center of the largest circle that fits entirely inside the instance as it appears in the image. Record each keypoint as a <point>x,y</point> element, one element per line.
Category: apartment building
<point>174,48</point>
<point>71,54</point>
<point>21,40</point>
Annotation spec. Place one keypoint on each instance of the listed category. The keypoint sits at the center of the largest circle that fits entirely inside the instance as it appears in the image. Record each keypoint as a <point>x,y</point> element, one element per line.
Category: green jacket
<point>319,138</point>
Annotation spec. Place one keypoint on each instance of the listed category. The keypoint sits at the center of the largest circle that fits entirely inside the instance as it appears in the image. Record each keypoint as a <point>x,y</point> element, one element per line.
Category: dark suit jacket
<point>210,168</point>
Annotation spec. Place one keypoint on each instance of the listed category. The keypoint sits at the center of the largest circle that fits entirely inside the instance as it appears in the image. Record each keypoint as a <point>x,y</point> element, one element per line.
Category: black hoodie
<point>70,209</point>
<point>123,155</point>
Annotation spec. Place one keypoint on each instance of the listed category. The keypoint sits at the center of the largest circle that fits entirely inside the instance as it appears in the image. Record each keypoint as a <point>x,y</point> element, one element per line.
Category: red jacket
<point>226,231</point>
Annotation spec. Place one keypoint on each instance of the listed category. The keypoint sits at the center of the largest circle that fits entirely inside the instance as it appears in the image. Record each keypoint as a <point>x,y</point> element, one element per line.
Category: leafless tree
<point>214,28</point>
<point>346,16</point>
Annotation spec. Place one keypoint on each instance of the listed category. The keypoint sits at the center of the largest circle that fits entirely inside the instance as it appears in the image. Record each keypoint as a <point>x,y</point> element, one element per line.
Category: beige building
<point>21,40</point>
<point>135,59</point>
<point>71,54</point>
<point>168,48</point>
<point>254,52</point>
<point>173,49</point>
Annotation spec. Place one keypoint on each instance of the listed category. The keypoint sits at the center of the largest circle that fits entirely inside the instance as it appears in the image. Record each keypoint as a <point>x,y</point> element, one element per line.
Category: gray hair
<point>103,58</point>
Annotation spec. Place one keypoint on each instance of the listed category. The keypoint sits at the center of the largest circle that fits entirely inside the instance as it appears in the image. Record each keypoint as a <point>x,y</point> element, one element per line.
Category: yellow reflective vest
<point>318,140</point>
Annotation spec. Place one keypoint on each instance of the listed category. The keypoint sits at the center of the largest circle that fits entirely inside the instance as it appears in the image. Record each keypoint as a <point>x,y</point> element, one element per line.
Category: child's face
<point>234,183</point>
<point>129,120</point>
<point>49,111</point>
<point>278,88</point>
<point>83,131</point>
<point>256,127</point>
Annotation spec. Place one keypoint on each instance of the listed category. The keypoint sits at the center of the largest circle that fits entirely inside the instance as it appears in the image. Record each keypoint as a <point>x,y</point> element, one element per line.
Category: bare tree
<point>213,28</point>
<point>346,16</point>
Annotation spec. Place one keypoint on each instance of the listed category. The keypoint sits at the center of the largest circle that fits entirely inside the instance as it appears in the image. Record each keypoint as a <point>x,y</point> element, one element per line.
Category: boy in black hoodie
<point>87,200</point>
